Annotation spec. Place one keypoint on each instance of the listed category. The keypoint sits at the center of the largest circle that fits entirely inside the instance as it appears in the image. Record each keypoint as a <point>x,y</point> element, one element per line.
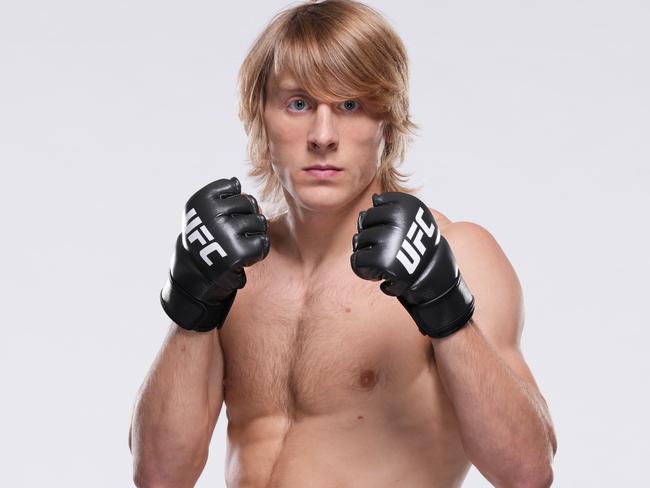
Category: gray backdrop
<point>535,123</point>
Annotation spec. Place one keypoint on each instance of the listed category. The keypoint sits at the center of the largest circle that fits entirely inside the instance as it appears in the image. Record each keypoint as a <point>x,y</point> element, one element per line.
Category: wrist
<point>445,314</point>
<point>191,313</point>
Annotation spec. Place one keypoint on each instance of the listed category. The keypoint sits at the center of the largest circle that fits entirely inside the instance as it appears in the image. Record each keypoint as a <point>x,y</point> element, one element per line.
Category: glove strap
<point>445,314</point>
<point>192,314</point>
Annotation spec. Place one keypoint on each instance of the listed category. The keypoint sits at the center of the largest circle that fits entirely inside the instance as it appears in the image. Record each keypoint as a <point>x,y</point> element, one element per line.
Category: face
<point>305,133</point>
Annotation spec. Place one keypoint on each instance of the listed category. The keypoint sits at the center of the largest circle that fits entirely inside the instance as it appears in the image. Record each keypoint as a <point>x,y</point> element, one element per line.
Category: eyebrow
<point>289,87</point>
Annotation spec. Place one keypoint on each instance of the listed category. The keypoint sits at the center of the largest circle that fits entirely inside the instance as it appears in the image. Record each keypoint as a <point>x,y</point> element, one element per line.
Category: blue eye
<point>300,104</point>
<point>351,105</point>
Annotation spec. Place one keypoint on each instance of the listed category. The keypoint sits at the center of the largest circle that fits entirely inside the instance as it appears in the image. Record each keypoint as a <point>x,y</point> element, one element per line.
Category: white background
<point>535,123</point>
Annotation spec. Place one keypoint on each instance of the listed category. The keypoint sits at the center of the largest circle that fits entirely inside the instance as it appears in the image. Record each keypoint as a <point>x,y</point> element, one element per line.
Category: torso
<point>328,383</point>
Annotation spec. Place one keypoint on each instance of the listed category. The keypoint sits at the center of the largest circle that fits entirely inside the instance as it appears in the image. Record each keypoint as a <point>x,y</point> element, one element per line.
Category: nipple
<point>368,379</point>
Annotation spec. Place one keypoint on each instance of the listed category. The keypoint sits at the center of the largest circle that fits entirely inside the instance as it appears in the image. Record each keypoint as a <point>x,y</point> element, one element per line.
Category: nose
<point>323,134</point>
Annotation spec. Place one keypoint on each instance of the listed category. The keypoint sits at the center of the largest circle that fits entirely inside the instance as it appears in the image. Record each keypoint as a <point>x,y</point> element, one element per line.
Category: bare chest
<point>295,349</point>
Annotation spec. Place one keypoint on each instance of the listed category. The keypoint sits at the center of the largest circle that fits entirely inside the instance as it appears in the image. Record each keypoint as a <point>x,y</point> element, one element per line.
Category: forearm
<point>502,424</point>
<point>171,425</point>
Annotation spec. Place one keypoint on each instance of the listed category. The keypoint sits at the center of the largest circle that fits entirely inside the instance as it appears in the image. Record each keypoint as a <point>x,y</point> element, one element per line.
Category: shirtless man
<point>350,351</point>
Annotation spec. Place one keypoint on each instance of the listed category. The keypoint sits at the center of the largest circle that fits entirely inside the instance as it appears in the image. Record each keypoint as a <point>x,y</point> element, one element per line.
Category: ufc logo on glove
<point>419,228</point>
<point>203,235</point>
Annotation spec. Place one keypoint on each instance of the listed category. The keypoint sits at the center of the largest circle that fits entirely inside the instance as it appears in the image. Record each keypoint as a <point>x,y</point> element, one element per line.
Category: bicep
<point>499,310</point>
<point>499,303</point>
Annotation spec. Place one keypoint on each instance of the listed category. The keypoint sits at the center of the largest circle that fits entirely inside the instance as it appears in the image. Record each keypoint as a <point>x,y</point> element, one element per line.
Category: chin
<point>323,198</point>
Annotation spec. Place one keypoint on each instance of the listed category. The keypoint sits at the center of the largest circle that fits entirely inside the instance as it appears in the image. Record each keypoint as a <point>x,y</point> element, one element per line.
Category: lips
<point>323,167</point>
<point>322,172</point>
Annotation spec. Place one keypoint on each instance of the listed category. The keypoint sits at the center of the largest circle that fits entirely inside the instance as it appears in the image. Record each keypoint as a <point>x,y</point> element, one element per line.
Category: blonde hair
<point>335,49</point>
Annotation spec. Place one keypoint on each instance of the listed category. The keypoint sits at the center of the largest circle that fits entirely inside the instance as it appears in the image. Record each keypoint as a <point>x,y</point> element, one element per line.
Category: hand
<point>223,231</point>
<point>398,241</point>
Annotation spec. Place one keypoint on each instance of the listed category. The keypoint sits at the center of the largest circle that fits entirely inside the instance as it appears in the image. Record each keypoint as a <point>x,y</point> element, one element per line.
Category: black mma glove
<point>398,241</point>
<point>223,231</point>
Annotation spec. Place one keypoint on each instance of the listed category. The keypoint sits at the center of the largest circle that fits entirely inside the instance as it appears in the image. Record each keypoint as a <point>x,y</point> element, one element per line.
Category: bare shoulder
<point>470,236</point>
<point>491,277</point>
<point>441,219</point>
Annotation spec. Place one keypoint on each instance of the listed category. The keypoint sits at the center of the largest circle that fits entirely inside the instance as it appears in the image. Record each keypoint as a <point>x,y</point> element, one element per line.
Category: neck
<point>315,239</point>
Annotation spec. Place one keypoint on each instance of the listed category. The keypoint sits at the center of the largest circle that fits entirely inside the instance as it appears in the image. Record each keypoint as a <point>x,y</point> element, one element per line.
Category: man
<point>341,334</point>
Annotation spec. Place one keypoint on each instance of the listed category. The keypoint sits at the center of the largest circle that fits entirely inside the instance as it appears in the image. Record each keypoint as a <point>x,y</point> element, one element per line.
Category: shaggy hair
<point>337,50</point>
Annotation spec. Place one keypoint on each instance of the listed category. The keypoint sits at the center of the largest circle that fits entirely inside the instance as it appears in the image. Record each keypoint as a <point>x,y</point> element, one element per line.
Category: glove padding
<point>223,232</point>
<point>398,241</point>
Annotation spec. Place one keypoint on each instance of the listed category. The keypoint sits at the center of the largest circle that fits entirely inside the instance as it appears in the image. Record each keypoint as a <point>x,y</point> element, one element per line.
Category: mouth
<point>323,167</point>
<point>323,171</point>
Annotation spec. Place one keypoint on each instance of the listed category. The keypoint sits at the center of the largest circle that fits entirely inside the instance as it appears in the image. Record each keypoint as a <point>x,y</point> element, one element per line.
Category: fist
<point>222,232</point>
<point>398,241</point>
